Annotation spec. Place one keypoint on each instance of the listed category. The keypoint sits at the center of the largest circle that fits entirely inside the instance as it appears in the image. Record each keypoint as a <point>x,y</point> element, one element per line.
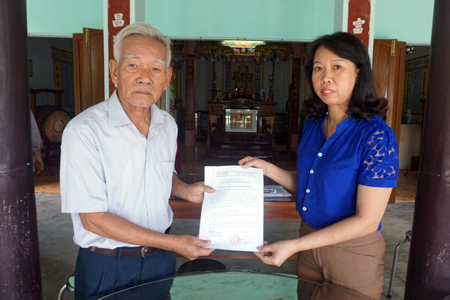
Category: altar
<point>242,104</point>
<point>241,127</point>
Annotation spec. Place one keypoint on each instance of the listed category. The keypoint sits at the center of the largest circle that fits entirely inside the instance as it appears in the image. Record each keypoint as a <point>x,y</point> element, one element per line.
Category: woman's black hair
<point>364,104</point>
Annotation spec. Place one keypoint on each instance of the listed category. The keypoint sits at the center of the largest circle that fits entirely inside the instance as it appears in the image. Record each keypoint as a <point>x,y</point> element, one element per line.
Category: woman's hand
<point>277,253</point>
<point>287,179</point>
<point>249,161</point>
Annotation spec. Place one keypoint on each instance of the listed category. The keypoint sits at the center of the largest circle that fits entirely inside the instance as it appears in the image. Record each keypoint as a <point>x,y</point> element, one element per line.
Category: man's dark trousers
<point>96,273</point>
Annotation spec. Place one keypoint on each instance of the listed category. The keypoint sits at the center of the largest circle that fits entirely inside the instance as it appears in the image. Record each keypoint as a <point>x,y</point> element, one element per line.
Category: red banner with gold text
<point>359,19</point>
<point>118,18</point>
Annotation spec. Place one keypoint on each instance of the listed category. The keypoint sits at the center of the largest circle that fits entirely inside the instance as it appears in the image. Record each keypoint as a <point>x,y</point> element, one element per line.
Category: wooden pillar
<point>19,245</point>
<point>189,112</point>
<point>428,275</point>
<point>294,105</point>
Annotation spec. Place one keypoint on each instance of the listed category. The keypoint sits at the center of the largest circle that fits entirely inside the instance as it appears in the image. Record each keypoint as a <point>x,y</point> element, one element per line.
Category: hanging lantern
<point>274,50</point>
<point>214,51</point>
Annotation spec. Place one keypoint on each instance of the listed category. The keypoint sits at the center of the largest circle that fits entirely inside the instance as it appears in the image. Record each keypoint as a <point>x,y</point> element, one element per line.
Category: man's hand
<point>114,227</point>
<point>190,192</point>
<point>191,247</point>
<point>195,192</point>
<point>36,160</point>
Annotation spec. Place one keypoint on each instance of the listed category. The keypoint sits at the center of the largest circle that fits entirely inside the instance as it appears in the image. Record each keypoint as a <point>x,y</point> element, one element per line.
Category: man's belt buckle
<point>143,251</point>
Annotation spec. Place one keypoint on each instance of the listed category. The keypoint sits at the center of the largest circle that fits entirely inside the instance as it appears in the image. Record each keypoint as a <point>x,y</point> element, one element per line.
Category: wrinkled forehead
<point>137,46</point>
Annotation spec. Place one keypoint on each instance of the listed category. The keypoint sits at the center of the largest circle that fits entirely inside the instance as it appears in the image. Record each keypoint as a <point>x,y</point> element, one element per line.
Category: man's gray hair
<point>145,30</point>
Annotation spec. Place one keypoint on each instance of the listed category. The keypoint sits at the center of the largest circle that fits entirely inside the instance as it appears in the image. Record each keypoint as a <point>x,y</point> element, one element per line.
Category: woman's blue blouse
<point>329,171</point>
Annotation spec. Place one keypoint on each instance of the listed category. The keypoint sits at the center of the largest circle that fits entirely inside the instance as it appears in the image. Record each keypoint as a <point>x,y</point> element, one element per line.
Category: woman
<point>347,166</point>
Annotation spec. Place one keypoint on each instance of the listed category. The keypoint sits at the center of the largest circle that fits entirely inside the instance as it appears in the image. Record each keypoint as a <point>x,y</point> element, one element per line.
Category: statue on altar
<point>243,76</point>
<point>237,76</point>
<point>246,77</point>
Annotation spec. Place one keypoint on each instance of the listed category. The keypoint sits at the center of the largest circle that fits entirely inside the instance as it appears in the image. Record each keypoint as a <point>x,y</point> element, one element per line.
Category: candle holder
<point>241,92</point>
<point>270,92</point>
<point>214,89</point>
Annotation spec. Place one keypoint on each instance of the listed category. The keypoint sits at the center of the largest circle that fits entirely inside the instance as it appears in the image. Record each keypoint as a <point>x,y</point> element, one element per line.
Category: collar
<point>342,125</point>
<point>157,117</point>
<point>118,116</point>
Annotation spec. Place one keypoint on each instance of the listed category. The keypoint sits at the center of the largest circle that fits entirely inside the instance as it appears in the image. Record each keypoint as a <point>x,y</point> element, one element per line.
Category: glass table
<point>233,284</point>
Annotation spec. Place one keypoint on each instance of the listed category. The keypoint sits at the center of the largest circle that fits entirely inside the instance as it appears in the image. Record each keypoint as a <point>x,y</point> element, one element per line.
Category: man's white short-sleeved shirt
<point>36,141</point>
<point>108,165</point>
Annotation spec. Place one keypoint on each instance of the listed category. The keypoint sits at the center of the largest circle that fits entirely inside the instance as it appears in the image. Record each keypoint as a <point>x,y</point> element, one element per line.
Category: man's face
<point>141,74</point>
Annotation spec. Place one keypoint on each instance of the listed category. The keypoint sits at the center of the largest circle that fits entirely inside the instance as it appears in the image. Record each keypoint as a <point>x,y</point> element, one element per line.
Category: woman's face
<point>333,78</point>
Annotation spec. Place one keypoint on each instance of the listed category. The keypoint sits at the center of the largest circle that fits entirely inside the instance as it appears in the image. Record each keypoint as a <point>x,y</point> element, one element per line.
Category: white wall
<point>299,20</point>
<point>63,17</point>
<point>410,140</point>
<point>411,134</point>
<point>40,52</point>
<point>251,19</point>
<point>409,21</point>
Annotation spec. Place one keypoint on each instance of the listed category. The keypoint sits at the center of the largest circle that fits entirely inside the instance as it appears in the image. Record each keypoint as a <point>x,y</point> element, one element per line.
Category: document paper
<point>232,218</point>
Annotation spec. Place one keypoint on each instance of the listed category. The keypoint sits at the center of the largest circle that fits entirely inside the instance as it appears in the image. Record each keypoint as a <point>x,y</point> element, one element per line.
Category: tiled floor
<point>58,252</point>
<point>406,186</point>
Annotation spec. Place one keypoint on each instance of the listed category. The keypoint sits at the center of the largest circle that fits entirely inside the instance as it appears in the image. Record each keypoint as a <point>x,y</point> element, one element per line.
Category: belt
<point>142,251</point>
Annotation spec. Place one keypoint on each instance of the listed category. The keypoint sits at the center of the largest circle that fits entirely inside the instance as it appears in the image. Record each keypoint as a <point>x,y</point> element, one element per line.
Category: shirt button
<point>312,171</point>
<point>320,154</point>
<point>304,208</point>
<point>307,191</point>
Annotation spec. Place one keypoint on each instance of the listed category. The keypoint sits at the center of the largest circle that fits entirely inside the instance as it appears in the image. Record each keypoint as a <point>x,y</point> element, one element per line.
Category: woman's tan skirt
<point>357,264</point>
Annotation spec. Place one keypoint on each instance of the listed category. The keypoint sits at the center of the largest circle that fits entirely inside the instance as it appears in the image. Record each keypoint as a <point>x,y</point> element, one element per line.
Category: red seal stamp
<point>235,239</point>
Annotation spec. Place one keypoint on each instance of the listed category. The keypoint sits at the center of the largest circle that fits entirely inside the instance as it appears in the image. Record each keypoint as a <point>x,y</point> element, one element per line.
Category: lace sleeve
<point>379,162</point>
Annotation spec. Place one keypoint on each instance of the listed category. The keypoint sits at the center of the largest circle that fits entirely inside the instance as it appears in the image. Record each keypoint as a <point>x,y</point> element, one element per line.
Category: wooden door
<point>88,72</point>
<point>389,73</point>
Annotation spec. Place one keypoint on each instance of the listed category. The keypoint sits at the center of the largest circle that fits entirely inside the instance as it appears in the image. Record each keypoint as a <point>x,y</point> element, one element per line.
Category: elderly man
<point>117,173</point>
